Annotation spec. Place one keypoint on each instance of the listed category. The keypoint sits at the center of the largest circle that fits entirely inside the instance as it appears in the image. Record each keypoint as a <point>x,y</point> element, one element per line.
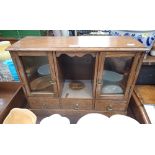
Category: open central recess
<point>77,75</point>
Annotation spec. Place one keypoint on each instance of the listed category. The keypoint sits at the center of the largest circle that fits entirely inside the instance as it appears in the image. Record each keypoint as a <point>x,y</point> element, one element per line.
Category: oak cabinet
<point>86,73</point>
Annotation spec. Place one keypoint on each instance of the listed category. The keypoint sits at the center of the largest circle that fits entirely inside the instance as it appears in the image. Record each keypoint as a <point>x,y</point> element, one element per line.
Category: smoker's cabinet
<point>85,74</point>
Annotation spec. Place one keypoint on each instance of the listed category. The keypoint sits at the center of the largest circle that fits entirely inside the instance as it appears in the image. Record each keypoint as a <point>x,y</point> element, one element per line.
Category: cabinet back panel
<point>77,68</point>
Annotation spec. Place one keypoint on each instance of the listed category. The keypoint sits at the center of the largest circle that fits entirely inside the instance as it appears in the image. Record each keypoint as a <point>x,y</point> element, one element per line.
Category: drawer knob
<point>76,107</point>
<point>43,105</point>
<point>109,108</point>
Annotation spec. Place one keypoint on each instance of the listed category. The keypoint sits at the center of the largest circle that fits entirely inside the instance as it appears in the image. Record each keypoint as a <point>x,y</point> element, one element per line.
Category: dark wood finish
<point>110,105</point>
<point>43,103</point>
<point>11,96</point>
<point>138,109</point>
<point>99,48</point>
<point>77,104</point>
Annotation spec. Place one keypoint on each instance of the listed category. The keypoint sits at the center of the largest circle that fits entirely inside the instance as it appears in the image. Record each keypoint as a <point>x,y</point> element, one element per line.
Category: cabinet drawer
<point>110,105</point>
<point>77,104</point>
<point>42,102</point>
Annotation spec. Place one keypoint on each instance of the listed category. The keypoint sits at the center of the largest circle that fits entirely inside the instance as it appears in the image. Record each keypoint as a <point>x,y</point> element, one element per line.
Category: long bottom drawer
<point>43,103</point>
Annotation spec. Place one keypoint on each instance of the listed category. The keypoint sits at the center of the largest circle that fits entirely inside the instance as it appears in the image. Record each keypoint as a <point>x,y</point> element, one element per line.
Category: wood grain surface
<point>146,93</point>
<point>82,43</point>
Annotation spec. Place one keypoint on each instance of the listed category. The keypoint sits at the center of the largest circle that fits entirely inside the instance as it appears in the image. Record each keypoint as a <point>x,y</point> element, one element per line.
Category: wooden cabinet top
<point>81,43</point>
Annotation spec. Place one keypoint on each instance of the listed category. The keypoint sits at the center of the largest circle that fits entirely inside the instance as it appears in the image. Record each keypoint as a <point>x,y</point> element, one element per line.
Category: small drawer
<point>42,102</point>
<point>110,105</point>
<point>77,104</point>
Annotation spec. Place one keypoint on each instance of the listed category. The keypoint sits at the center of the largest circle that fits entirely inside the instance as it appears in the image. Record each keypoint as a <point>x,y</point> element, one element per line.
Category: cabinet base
<point>73,115</point>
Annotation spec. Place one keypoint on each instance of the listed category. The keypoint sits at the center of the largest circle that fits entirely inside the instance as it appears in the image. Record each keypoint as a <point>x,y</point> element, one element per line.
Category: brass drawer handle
<point>109,108</point>
<point>76,107</point>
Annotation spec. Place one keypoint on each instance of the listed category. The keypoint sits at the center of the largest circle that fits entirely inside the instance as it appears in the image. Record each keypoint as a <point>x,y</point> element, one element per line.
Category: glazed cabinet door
<point>37,73</point>
<point>116,74</point>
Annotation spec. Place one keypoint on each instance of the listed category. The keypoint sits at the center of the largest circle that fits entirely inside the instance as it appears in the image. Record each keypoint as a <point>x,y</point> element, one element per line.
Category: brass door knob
<point>109,108</point>
<point>52,82</point>
<point>76,107</point>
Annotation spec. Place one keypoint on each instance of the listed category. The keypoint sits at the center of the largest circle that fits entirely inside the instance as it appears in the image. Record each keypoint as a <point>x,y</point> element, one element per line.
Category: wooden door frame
<point>23,76</point>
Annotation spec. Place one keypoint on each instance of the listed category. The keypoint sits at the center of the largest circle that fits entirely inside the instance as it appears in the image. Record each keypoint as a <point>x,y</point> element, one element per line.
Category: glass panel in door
<point>115,75</point>
<point>38,74</point>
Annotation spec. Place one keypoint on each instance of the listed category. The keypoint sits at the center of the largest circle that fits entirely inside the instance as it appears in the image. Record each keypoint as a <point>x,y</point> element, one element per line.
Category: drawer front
<point>42,102</point>
<point>110,105</point>
<point>77,104</point>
